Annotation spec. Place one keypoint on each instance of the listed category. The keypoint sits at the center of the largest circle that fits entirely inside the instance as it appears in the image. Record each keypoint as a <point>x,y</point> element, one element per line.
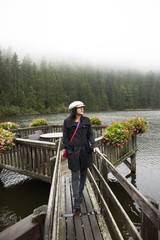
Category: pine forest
<point>27,87</point>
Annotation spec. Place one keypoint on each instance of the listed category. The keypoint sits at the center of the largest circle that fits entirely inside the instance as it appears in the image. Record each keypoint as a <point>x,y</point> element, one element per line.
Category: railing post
<point>104,172</point>
<point>38,216</point>
<point>133,163</point>
<point>148,230</point>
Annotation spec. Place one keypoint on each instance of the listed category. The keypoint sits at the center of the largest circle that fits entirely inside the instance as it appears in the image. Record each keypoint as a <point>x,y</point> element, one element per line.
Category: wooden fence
<point>98,178</point>
<point>22,132</point>
<point>52,216</point>
<point>97,175</point>
<point>31,158</point>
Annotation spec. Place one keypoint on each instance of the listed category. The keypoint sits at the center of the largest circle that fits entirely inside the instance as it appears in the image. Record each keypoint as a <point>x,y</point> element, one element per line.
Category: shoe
<point>77,210</point>
<point>76,203</point>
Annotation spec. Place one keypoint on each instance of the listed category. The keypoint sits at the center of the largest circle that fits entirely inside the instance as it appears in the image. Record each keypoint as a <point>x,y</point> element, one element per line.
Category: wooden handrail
<point>35,143</point>
<point>129,224</point>
<point>97,129</point>
<point>110,217</point>
<point>52,197</point>
<point>145,205</point>
<point>22,230</point>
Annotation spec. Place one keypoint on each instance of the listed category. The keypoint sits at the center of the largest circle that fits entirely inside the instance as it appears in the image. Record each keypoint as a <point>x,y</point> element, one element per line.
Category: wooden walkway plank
<point>101,221</point>
<point>93,220</point>
<point>62,210</point>
<point>78,224</point>
<point>79,227</point>
<point>70,223</point>
<point>86,223</point>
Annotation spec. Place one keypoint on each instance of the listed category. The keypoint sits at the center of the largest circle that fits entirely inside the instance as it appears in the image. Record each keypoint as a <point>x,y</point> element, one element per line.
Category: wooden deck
<point>85,226</point>
<point>44,160</point>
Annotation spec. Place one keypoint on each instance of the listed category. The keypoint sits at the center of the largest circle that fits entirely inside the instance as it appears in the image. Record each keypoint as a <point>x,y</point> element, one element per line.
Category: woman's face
<point>80,110</point>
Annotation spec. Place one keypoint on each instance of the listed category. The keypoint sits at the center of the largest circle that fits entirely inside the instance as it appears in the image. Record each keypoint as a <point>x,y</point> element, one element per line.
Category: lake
<point>19,198</point>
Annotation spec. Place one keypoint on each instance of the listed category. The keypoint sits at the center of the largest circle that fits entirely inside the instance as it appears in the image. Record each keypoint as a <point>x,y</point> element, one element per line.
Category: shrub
<point>8,125</point>
<point>95,121</point>
<point>11,110</point>
<point>38,122</point>
<point>6,140</point>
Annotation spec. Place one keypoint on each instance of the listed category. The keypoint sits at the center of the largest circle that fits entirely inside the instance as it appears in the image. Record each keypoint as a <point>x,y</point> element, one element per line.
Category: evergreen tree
<point>27,88</point>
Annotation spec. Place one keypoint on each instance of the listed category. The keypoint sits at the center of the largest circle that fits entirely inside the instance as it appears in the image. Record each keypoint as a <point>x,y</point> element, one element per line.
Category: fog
<point>113,33</point>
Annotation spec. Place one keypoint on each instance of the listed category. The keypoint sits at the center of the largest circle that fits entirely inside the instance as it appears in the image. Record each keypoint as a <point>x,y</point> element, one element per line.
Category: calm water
<point>19,198</point>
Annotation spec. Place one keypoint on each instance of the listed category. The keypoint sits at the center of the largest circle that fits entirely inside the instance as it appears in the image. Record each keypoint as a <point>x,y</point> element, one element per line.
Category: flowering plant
<point>6,140</point>
<point>8,125</point>
<point>38,122</point>
<point>117,134</point>
<point>95,121</point>
<point>140,125</point>
<point>120,132</point>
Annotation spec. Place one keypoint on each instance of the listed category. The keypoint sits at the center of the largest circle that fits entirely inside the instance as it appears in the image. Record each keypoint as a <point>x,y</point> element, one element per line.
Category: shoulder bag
<point>65,153</point>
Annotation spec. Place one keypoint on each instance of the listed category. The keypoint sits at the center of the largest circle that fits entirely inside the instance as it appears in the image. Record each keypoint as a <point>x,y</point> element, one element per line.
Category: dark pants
<point>78,182</point>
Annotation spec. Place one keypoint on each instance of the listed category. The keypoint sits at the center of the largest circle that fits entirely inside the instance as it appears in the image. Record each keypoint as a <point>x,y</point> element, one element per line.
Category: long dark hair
<point>73,113</point>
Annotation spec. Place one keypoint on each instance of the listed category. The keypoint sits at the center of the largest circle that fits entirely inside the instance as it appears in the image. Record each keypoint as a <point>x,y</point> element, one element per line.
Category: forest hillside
<point>26,87</point>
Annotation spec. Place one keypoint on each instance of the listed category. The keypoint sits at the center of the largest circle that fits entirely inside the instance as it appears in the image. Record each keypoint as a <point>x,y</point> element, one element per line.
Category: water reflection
<point>131,208</point>
<point>19,201</point>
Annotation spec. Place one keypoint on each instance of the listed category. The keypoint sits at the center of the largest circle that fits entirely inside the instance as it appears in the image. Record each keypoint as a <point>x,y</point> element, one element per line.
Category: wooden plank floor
<point>82,227</point>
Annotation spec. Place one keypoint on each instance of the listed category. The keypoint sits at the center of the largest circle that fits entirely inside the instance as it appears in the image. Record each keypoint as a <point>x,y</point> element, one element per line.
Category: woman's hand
<point>96,150</point>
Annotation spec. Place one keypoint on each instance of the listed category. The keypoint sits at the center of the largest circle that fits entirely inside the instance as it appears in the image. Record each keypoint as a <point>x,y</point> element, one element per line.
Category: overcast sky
<point>115,33</point>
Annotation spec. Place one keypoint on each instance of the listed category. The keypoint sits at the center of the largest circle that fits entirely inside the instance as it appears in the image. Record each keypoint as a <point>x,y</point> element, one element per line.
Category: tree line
<point>27,87</point>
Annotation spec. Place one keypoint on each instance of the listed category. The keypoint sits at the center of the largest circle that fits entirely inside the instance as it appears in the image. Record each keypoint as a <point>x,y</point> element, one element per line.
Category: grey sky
<point>120,33</point>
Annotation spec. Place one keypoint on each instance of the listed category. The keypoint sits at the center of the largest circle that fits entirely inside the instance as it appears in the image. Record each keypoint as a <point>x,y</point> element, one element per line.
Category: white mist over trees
<point>28,88</point>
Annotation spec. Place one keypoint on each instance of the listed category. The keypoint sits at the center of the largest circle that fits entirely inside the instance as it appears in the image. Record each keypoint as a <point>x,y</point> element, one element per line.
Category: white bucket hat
<point>76,104</point>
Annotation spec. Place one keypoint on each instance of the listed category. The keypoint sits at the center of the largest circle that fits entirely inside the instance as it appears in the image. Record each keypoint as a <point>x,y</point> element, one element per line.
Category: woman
<point>79,150</point>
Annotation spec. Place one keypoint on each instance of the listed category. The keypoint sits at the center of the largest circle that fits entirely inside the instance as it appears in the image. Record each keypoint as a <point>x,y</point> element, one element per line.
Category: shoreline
<point>125,110</point>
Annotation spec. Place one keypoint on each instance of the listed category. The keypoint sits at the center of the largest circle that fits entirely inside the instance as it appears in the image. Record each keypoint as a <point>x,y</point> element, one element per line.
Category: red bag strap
<point>75,131</point>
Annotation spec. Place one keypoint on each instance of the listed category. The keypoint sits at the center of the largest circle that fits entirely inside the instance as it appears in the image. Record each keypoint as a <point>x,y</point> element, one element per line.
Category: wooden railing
<point>98,174</point>
<point>22,132</point>
<point>22,230</point>
<point>104,162</point>
<point>52,218</point>
<point>30,157</point>
<point>117,155</point>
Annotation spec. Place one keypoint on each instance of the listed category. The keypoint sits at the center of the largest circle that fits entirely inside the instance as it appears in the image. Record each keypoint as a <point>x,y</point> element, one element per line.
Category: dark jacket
<point>80,149</point>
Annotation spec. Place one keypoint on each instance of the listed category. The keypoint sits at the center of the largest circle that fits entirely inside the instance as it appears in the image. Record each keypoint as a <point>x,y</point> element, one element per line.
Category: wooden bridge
<point>96,219</point>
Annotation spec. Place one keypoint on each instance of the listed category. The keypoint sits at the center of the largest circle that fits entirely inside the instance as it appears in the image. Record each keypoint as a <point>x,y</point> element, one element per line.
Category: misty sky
<point>115,33</point>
